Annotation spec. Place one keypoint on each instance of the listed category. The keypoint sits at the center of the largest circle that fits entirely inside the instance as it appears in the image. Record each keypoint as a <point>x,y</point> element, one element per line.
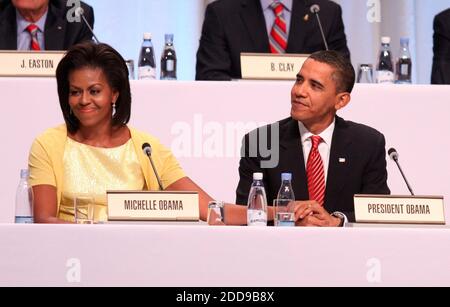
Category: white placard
<point>152,206</point>
<point>268,66</point>
<point>29,63</point>
<point>399,209</point>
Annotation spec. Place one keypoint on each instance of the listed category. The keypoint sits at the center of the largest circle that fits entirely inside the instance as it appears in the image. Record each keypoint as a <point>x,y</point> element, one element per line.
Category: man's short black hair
<point>344,74</point>
<point>101,56</point>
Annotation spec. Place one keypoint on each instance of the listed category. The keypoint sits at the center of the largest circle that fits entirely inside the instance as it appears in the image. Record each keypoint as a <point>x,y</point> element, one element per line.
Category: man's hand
<point>310,213</point>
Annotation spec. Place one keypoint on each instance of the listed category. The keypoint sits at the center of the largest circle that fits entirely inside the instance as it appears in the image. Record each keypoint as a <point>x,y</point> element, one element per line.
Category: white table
<point>201,255</point>
<point>203,123</point>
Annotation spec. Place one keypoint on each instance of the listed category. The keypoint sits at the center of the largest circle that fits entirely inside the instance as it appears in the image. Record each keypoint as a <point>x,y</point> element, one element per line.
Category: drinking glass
<point>282,216</point>
<point>84,206</point>
<point>130,66</point>
<point>365,73</point>
<point>215,212</point>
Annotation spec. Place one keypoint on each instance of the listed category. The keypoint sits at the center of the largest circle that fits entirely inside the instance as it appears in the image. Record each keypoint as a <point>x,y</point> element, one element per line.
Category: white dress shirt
<point>324,146</point>
<point>24,37</point>
<point>324,150</point>
<point>269,16</point>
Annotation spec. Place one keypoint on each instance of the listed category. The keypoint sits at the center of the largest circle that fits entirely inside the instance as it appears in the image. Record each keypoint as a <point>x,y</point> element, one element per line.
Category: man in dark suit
<point>57,31</point>
<point>441,60</point>
<point>234,26</point>
<point>352,156</point>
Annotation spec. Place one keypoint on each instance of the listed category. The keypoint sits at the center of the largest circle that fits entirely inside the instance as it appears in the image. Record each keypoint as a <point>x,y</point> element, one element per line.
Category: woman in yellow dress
<point>95,150</point>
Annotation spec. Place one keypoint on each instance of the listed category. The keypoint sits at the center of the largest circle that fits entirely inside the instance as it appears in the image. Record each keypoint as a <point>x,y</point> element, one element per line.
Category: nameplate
<point>267,66</point>
<point>29,63</point>
<point>152,206</point>
<point>399,209</point>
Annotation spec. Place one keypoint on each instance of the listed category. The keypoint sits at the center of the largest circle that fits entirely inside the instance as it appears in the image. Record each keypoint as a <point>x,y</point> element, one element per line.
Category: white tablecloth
<point>200,255</point>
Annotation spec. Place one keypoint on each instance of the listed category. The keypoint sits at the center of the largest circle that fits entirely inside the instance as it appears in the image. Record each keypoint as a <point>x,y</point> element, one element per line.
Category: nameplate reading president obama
<point>152,206</point>
<point>399,209</point>
<point>29,63</point>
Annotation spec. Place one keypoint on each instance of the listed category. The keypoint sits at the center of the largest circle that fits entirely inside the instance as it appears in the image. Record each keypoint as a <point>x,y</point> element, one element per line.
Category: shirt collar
<point>22,24</point>
<point>286,3</point>
<point>326,135</point>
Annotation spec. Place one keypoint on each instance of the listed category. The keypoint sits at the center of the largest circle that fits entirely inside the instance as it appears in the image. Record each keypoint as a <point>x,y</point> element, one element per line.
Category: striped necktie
<point>315,173</point>
<point>278,34</point>
<point>32,29</point>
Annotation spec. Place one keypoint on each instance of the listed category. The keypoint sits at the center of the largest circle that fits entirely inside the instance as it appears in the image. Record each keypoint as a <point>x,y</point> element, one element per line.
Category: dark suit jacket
<point>363,172</point>
<point>440,73</point>
<point>59,34</point>
<point>234,26</point>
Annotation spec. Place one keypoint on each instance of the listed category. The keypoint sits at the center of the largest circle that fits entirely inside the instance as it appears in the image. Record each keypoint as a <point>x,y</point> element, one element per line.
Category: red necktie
<point>278,34</point>
<point>315,172</point>
<point>32,29</point>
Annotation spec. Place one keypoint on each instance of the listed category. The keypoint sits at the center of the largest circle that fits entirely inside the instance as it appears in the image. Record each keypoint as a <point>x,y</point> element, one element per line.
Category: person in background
<point>263,26</point>
<point>42,25</point>
<point>95,150</point>
<point>330,159</point>
<point>440,73</point>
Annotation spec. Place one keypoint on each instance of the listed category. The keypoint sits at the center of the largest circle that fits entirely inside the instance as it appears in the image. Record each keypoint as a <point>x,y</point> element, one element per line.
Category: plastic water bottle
<point>257,202</point>
<point>286,191</point>
<point>146,65</point>
<point>24,199</point>
<point>285,195</point>
<point>404,63</point>
<point>168,60</point>
<point>385,68</point>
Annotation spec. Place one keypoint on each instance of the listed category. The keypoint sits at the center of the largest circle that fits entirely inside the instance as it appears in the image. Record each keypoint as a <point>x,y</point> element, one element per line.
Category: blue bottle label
<point>24,220</point>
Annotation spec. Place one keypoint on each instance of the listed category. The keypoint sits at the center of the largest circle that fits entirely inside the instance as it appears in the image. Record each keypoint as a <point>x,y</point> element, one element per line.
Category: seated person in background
<point>264,26</point>
<point>95,150</point>
<point>330,159</point>
<point>440,73</point>
<point>42,25</point>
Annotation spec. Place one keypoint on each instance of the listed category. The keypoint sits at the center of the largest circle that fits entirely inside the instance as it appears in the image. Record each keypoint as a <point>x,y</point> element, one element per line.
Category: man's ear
<point>342,100</point>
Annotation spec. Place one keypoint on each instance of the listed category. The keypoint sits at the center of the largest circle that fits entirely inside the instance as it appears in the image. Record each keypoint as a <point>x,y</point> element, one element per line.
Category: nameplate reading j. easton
<point>399,209</point>
<point>152,206</point>
<point>29,63</point>
<point>268,66</point>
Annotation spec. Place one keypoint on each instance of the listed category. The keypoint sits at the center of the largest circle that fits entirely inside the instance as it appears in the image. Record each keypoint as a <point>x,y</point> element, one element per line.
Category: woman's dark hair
<point>104,57</point>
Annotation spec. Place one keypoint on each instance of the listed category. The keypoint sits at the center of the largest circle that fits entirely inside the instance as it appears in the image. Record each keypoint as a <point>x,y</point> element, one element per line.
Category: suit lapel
<point>8,29</point>
<point>337,166</point>
<point>291,158</point>
<point>55,27</point>
<point>253,18</point>
<point>299,26</point>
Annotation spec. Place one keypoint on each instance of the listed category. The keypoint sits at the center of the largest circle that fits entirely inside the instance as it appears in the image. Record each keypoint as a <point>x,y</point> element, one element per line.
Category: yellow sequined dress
<point>90,170</point>
<point>72,167</point>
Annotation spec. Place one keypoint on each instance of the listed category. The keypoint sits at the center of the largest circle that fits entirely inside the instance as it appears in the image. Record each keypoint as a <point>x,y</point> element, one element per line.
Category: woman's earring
<point>113,109</point>
<point>70,111</point>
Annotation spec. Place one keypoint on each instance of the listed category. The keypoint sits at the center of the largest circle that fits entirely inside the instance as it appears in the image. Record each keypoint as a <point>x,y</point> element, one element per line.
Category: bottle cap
<point>404,41</point>
<point>24,173</point>
<point>286,176</point>
<point>168,38</point>
<point>385,40</point>
<point>257,176</point>
<point>147,35</point>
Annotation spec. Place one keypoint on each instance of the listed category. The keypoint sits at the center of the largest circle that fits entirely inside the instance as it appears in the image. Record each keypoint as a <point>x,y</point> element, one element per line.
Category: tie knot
<point>315,139</point>
<point>32,28</point>
<point>277,8</point>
